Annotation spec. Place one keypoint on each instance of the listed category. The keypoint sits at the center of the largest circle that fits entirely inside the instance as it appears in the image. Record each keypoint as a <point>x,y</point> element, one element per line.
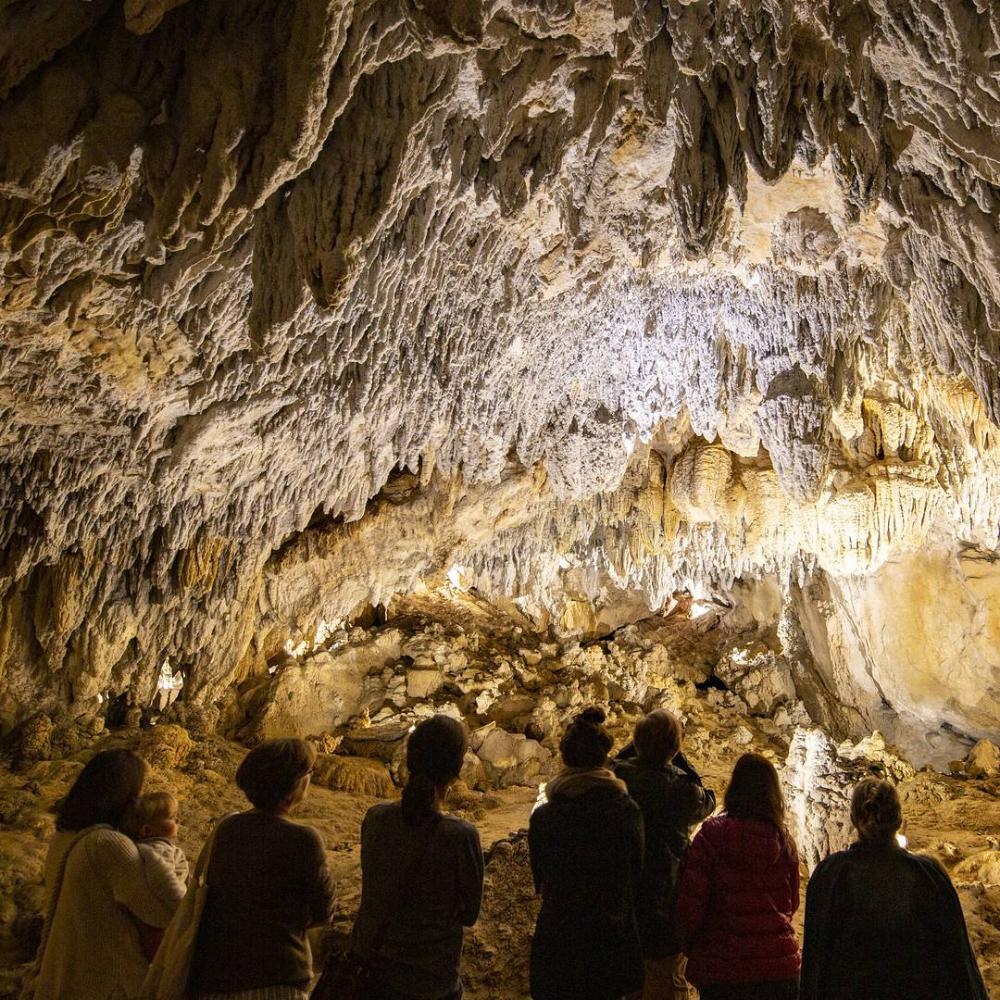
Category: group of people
<point>631,907</point>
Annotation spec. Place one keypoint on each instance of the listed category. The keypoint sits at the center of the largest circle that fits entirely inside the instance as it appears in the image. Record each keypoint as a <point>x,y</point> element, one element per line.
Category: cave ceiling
<point>692,289</point>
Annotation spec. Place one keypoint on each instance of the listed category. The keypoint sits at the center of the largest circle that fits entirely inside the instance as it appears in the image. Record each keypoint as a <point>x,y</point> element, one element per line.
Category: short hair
<point>270,772</point>
<point>586,743</point>
<point>657,737</point>
<point>876,811</point>
<point>104,791</point>
<point>150,808</point>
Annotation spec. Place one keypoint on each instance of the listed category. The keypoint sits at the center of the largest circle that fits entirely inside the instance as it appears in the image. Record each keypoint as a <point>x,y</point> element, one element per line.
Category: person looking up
<point>670,795</point>
<point>268,882</point>
<point>421,874</point>
<point>96,887</point>
<point>585,844</point>
<point>738,889</point>
<point>882,923</point>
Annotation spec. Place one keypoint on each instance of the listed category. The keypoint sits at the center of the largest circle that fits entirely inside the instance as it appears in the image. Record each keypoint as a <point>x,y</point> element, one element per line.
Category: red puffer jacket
<point>737,893</point>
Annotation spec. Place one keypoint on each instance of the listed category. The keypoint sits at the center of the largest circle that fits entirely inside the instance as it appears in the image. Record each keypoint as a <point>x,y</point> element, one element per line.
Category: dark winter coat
<point>883,923</point>
<point>586,858</point>
<point>738,890</point>
<point>672,801</point>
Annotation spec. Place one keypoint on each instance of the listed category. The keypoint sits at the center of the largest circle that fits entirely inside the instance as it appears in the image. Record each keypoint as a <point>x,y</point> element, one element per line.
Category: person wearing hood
<point>672,800</point>
<point>883,923</point>
<point>738,890</point>
<point>586,844</point>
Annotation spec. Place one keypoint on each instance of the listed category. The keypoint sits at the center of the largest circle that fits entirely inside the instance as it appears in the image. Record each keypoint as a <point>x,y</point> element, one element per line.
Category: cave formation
<point>366,359</point>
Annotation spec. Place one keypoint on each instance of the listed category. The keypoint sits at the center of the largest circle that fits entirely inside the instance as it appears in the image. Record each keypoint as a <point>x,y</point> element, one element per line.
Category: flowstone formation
<point>301,303</point>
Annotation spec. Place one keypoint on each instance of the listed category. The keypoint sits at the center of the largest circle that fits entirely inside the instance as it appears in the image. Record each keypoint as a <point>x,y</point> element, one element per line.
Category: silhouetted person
<point>882,923</point>
<point>421,874</point>
<point>268,882</point>
<point>586,858</point>
<point>670,795</point>
<point>738,890</point>
<point>97,888</point>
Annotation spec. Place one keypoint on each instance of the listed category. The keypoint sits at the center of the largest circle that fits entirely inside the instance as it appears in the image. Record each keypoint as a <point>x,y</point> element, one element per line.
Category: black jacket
<point>586,857</point>
<point>672,801</point>
<point>882,923</point>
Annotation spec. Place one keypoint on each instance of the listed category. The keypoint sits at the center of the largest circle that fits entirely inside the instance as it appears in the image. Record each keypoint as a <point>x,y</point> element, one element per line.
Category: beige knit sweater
<point>92,950</point>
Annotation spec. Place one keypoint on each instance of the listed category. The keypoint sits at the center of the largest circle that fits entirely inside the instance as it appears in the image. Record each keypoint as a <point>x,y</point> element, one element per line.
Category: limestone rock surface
<point>302,301</point>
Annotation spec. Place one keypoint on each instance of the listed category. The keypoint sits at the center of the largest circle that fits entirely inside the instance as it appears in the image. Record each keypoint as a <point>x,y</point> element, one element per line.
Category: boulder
<point>386,743</point>
<point>762,679</point>
<point>981,868</point>
<point>510,758</point>
<point>983,760</point>
<point>422,682</point>
<point>165,747</point>
<point>358,775</point>
<point>325,691</point>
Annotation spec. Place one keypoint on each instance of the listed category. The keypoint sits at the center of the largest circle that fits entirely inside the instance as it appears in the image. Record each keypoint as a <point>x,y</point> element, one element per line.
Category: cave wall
<point>256,259</point>
<point>913,646</point>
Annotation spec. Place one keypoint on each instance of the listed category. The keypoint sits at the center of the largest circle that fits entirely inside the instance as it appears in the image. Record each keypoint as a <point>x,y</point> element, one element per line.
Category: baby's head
<point>154,815</point>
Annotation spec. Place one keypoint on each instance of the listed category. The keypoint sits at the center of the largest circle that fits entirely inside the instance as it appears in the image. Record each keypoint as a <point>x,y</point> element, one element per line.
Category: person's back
<point>420,924</point>
<point>267,885</point>
<point>672,800</point>
<point>268,882</point>
<point>94,946</point>
<point>586,859</point>
<point>421,874</point>
<point>881,922</point>
<point>738,891</point>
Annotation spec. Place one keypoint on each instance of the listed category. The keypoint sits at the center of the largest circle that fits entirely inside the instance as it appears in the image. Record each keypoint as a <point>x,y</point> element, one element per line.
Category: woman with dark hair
<point>421,874</point>
<point>97,890</point>
<point>738,890</point>
<point>882,923</point>
<point>586,858</point>
<point>268,883</point>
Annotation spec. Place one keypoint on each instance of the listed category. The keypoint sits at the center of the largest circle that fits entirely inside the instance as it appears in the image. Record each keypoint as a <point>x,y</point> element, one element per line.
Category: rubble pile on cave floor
<point>674,661</point>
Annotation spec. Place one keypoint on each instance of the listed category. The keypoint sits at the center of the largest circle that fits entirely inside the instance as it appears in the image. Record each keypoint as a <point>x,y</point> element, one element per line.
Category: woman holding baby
<point>101,887</point>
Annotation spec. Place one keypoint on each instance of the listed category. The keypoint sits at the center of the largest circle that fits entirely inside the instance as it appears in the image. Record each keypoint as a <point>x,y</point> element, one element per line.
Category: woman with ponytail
<point>586,857</point>
<point>882,923</point>
<point>421,874</point>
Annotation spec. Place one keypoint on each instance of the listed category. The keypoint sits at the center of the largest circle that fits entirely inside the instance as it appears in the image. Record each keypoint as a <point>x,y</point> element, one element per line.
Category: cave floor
<point>954,819</point>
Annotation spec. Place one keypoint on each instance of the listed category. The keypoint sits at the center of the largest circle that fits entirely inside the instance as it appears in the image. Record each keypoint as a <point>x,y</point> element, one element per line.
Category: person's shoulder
<point>829,867</point>
<point>625,768</point>
<point>456,828</point>
<point>306,834</point>
<point>930,865</point>
<point>383,812</point>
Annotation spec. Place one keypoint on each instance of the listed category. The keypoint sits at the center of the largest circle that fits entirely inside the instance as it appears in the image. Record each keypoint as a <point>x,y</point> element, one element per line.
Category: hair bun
<point>592,716</point>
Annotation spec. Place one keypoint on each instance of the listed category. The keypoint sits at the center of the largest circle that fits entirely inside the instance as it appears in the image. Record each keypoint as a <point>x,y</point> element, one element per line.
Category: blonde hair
<point>148,809</point>
<point>875,810</point>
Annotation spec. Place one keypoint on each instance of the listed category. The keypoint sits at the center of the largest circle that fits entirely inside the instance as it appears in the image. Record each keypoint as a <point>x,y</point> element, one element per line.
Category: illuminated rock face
<point>645,295</point>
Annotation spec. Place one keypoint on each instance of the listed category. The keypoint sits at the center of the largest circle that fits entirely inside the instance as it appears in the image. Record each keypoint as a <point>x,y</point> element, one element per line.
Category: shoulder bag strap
<point>200,876</point>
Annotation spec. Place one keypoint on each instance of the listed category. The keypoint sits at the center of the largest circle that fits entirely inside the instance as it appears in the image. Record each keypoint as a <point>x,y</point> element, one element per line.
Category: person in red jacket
<point>738,891</point>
